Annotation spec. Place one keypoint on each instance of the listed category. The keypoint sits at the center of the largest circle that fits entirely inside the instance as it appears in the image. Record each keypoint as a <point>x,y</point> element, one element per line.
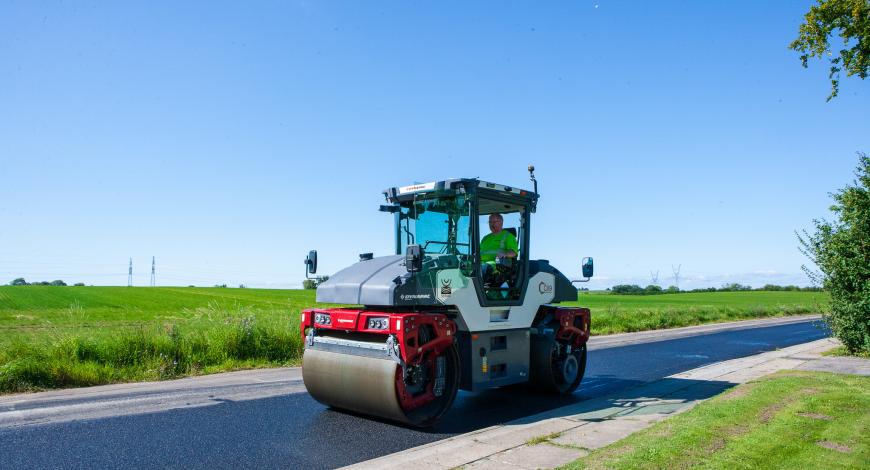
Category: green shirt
<point>493,243</point>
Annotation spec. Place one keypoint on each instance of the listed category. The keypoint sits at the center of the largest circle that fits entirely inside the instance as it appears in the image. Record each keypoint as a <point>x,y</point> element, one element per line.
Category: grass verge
<point>842,351</point>
<point>788,420</point>
<point>147,353</point>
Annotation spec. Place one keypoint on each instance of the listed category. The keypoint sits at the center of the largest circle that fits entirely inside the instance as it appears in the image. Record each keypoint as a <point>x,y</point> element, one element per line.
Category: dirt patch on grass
<point>834,446</point>
<point>769,412</point>
<point>816,416</point>
<point>717,444</point>
<point>738,392</point>
<point>737,430</point>
<point>720,441</point>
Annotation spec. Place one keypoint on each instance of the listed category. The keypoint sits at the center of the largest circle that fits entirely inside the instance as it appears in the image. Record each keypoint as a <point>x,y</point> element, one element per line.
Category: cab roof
<point>484,189</point>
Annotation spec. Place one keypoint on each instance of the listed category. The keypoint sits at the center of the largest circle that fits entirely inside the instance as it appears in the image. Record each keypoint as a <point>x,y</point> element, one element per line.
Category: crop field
<point>626,313</point>
<point>37,313</point>
<point>72,336</point>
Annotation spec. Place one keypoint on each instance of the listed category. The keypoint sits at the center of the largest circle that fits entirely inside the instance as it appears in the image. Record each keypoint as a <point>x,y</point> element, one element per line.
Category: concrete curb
<point>559,436</point>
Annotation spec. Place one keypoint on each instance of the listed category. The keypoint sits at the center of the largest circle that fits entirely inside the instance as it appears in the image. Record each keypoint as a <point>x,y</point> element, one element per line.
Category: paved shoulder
<point>148,397</point>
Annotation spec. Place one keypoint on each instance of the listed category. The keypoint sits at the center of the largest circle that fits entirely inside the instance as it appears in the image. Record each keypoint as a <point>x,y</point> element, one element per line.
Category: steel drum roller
<point>362,384</point>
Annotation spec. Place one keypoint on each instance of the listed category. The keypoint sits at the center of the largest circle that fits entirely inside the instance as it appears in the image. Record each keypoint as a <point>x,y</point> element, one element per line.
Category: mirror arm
<point>581,280</point>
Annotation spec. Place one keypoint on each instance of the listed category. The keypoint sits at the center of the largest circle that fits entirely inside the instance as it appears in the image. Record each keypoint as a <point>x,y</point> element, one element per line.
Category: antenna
<point>153,277</point>
<point>676,271</point>
<point>654,277</point>
<point>130,274</point>
<point>532,177</point>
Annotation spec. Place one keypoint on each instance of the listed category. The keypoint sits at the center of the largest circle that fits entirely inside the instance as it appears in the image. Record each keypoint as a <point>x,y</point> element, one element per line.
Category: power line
<point>676,271</point>
<point>654,277</point>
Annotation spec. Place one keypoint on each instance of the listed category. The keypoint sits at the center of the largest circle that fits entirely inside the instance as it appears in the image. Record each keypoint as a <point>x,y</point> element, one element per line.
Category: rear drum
<point>556,367</point>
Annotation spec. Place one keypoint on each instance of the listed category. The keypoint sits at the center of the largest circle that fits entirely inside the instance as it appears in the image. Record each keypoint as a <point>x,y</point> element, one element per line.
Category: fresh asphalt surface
<point>294,431</point>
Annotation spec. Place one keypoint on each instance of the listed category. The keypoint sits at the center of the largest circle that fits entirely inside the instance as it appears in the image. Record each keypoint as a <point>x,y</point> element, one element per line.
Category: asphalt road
<point>275,424</point>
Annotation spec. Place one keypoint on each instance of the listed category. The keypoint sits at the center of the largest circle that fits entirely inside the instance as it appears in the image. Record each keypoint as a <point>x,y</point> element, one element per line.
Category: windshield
<point>440,226</point>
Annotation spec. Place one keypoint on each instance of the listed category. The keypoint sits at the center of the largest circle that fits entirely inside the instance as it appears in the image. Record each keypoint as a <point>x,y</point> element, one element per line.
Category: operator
<point>497,248</point>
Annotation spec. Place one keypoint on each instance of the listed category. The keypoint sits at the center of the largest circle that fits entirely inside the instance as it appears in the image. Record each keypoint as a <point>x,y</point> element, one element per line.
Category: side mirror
<point>587,270</point>
<point>587,267</point>
<point>414,258</point>
<point>311,263</point>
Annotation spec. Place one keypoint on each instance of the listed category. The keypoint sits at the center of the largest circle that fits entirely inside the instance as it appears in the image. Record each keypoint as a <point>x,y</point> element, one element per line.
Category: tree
<point>18,282</point>
<point>627,289</point>
<point>314,282</point>
<point>57,282</point>
<point>841,250</point>
<point>652,290</point>
<point>850,19</point>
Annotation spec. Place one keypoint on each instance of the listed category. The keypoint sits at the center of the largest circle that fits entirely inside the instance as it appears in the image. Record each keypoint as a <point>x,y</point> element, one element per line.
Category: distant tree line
<point>634,289</point>
<point>57,282</point>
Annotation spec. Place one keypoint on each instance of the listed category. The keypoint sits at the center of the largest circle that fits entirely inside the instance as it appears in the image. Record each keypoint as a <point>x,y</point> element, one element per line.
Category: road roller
<point>446,311</point>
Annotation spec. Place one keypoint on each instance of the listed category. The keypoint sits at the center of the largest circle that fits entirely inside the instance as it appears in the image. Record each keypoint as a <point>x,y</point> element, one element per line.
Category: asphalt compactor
<point>433,318</point>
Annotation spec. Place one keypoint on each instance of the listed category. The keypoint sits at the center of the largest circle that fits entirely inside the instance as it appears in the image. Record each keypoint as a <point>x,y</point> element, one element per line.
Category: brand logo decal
<point>415,296</point>
<point>544,288</point>
<point>344,320</point>
<point>446,290</point>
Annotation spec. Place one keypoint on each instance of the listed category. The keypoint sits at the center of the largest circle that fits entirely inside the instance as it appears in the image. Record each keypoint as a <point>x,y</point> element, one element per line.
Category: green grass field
<point>626,313</point>
<point>72,336</point>
<point>793,419</point>
<point>37,313</point>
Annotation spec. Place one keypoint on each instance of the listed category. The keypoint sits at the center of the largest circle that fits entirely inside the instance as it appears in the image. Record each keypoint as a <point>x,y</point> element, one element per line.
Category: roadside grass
<point>842,351</point>
<point>792,419</point>
<point>229,340</point>
<point>54,337</point>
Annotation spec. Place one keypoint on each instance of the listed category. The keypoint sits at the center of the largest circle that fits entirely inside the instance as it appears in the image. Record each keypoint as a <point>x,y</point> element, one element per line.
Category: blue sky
<point>228,138</point>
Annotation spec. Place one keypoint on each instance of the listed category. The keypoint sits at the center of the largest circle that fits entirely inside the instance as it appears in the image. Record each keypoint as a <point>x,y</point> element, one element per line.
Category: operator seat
<point>509,276</point>
<point>512,274</point>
